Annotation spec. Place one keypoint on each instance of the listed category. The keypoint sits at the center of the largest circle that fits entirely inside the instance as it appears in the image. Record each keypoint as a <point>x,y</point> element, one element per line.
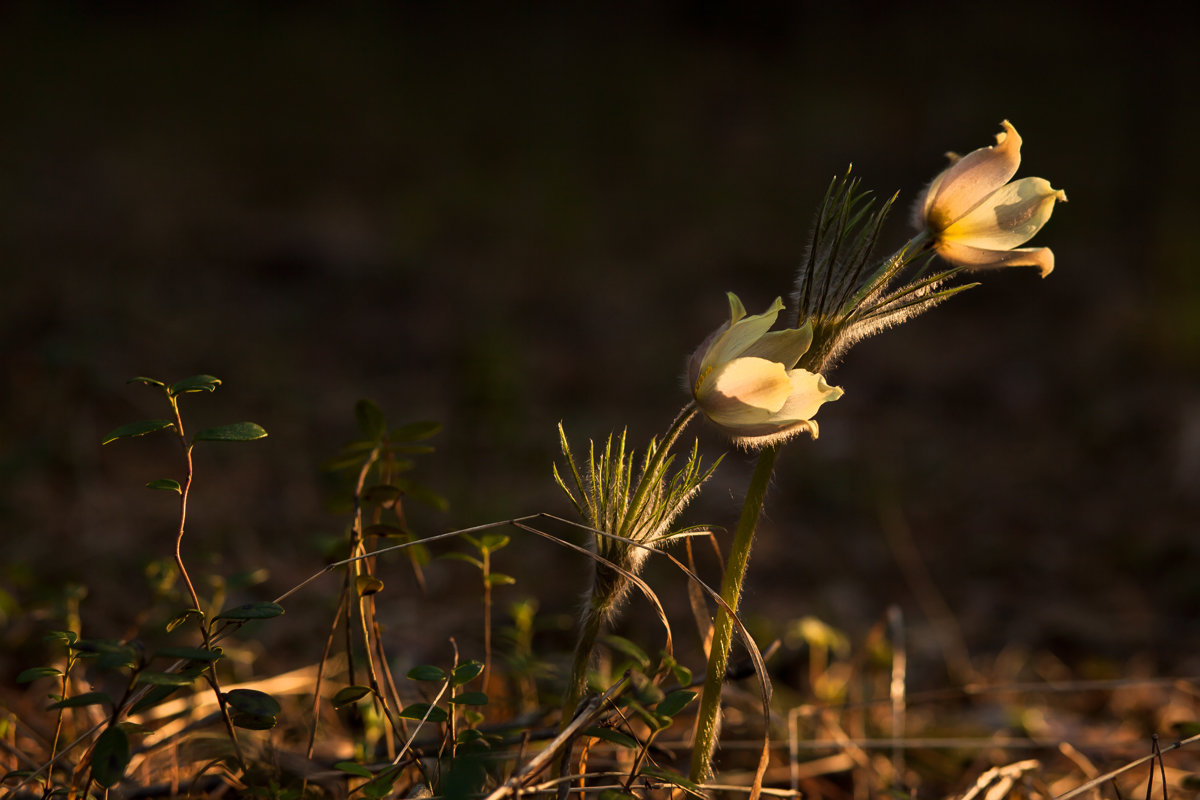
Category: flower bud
<point>744,378</point>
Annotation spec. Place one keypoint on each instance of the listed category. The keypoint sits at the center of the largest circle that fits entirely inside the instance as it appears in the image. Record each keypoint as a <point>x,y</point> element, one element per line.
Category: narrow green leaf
<point>110,757</point>
<point>370,419</point>
<point>467,672</point>
<point>500,579</point>
<point>352,768</point>
<point>196,383</point>
<point>425,496</point>
<point>367,585</point>
<point>672,778</point>
<point>338,463</point>
<point>137,429</point>
<point>462,557</point>
<point>147,381</point>
<point>252,701</point>
<point>426,672</point>
<point>349,694</point>
<point>609,735</point>
<point>80,700</point>
<point>166,484</point>
<point>235,432</point>
<point>675,702</point>
<point>164,678</point>
<point>470,699</point>
<point>623,645</point>
<point>493,541</point>
<point>33,673</point>
<point>65,637</point>
<point>415,431</point>
<point>181,618</point>
<point>418,711</point>
<point>261,610</point>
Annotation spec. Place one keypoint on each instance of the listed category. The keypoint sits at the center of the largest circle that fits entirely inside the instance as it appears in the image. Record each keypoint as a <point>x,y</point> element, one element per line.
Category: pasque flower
<point>978,219</point>
<point>743,378</point>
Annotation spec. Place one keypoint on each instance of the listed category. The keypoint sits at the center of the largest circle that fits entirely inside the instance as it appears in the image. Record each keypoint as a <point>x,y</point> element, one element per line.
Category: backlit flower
<point>744,379</point>
<point>978,219</point>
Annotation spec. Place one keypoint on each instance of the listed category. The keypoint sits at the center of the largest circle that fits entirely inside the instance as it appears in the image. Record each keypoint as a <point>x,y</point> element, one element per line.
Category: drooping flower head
<point>978,219</point>
<point>744,378</point>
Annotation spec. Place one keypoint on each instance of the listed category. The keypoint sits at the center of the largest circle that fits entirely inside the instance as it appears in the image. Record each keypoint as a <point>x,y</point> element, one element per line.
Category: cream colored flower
<point>978,219</point>
<point>743,378</point>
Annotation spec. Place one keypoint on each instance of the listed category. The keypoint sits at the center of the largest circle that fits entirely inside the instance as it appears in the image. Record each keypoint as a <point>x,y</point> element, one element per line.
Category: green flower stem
<point>731,590</point>
<point>589,630</point>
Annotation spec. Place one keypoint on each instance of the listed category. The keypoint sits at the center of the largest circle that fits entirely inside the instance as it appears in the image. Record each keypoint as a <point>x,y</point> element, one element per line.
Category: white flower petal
<point>745,389</point>
<point>968,181</point>
<point>741,333</point>
<point>1009,217</point>
<point>977,258</point>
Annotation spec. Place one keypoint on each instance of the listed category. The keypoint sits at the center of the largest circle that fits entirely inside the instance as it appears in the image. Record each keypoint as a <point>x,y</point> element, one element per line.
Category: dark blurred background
<point>501,216</point>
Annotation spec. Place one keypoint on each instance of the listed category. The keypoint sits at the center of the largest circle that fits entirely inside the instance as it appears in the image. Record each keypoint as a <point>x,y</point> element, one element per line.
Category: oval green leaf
<point>675,702</point>
<point>236,432</point>
<point>467,672</point>
<point>80,700</point>
<point>348,695</point>
<point>137,429</point>
<point>420,711</point>
<point>252,722</point>
<point>253,702</point>
<point>110,756</point>
<point>166,484</point>
<point>352,768</point>
<point>426,672</point>
<point>623,645</point>
<point>196,383</point>
<point>33,673</point>
<point>500,579</point>
<point>260,610</point>
<point>164,678</point>
<point>470,699</point>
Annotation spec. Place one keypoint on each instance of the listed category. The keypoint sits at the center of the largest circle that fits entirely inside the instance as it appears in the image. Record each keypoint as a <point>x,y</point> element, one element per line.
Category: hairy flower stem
<point>731,590</point>
<point>589,629</point>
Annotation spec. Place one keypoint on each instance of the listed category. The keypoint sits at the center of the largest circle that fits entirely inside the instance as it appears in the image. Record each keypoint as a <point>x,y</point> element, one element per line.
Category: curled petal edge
<point>978,258</point>
<point>969,180</point>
